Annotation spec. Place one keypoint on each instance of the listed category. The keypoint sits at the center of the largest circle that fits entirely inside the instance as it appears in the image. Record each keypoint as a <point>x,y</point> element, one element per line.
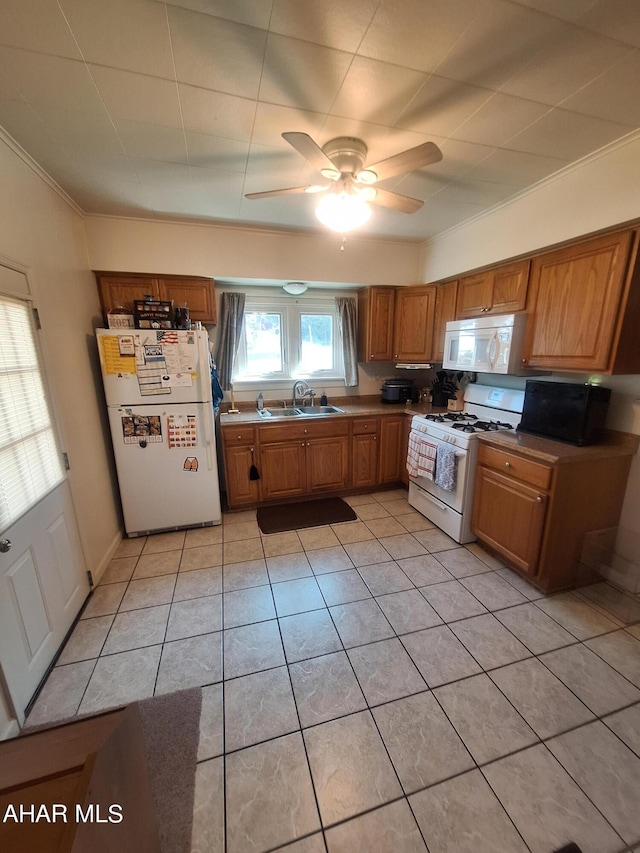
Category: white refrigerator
<point>157,385</point>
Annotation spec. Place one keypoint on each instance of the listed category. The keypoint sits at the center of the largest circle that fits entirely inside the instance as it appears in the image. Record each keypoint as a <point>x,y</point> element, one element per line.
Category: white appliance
<point>157,385</point>
<point>486,408</point>
<point>491,344</point>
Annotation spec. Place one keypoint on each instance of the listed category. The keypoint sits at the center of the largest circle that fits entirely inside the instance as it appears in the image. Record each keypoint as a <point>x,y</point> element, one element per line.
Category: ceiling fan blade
<point>287,191</point>
<point>403,203</point>
<point>407,161</point>
<point>305,145</point>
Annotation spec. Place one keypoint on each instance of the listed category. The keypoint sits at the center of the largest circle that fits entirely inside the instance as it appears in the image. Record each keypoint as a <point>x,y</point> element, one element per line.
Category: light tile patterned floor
<point>371,687</point>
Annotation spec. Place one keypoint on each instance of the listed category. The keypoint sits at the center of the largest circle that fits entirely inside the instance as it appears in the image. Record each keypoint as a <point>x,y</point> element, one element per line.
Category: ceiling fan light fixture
<point>295,288</point>
<point>342,211</point>
<point>331,174</point>
<point>366,176</point>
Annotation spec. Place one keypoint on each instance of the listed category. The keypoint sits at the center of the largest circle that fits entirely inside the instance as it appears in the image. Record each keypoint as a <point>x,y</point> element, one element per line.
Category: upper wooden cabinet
<point>446,297</point>
<point>584,308</point>
<point>375,323</point>
<point>499,290</point>
<point>396,323</point>
<point>413,330</point>
<point>122,288</point>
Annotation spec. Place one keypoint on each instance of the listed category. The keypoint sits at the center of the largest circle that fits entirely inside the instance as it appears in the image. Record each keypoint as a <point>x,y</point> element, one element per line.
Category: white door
<point>43,582</point>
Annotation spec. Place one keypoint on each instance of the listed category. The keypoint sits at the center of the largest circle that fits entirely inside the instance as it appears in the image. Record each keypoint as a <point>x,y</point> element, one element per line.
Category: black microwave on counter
<point>563,411</point>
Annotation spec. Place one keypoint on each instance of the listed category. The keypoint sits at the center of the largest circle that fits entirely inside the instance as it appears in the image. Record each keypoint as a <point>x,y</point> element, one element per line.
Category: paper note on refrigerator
<point>115,358</point>
<point>182,431</point>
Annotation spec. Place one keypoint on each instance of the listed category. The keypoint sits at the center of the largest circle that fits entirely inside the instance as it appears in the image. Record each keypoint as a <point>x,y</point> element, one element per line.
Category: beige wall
<point>600,193</point>
<point>131,245</point>
<point>42,234</point>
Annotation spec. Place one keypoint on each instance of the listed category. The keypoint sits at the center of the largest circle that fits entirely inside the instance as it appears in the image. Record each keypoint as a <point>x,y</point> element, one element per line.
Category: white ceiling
<point>176,109</point>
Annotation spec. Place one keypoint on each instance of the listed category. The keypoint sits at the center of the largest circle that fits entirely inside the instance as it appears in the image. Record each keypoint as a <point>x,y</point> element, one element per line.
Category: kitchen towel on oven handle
<point>446,468</point>
<point>421,457</point>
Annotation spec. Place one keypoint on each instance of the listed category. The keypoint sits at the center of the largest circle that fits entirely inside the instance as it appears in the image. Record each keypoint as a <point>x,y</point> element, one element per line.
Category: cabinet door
<point>365,461</point>
<point>390,443</point>
<point>574,300</point>
<point>240,489</point>
<point>474,295</point>
<point>283,472</point>
<point>197,293</point>
<point>404,449</point>
<point>446,295</point>
<point>413,334</point>
<point>509,516</point>
<point>375,323</point>
<point>510,284</point>
<point>122,290</point>
<point>327,463</point>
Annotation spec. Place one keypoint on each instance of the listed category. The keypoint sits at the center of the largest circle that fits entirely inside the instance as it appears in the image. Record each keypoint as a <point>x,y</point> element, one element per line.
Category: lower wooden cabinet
<point>364,449</point>
<point>404,449</point>
<point>312,457</point>
<point>283,469</point>
<point>535,500</point>
<point>391,429</point>
<point>239,447</point>
<point>509,516</point>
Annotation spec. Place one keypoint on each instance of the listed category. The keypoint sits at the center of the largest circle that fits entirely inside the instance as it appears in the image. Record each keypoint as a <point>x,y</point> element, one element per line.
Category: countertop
<point>555,452</point>
<point>362,406</point>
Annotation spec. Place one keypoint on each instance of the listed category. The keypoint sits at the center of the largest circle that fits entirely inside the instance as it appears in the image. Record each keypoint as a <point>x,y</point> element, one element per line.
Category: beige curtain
<point>347,328</point>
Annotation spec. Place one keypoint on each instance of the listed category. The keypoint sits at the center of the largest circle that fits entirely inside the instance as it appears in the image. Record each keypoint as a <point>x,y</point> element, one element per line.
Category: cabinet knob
<point>538,500</point>
<point>306,431</point>
<point>308,444</point>
<point>366,426</point>
<point>375,437</point>
<point>239,438</point>
<point>302,444</point>
<point>372,356</point>
<point>507,464</point>
<point>524,360</point>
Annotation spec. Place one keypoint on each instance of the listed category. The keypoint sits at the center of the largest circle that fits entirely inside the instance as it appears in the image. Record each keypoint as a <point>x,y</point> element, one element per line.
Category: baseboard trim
<point>109,555</point>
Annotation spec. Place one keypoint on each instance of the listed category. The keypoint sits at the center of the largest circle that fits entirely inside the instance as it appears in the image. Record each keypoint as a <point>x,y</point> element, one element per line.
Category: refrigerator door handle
<point>209,437</point>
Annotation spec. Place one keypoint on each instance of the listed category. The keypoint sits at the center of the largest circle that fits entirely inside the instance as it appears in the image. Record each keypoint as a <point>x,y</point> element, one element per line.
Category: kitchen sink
<point>320,410</point>
<point>297,411</point>
<point>278,413</point>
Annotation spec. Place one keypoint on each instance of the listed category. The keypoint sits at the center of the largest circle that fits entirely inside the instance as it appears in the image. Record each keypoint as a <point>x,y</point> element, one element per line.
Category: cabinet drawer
<point>304,429</point>
<point>238,435</point>
<point>363,426</point>
<point>526,470</point>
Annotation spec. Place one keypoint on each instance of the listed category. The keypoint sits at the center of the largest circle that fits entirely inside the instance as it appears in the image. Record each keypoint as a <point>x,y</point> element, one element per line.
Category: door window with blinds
<point>30,459</point>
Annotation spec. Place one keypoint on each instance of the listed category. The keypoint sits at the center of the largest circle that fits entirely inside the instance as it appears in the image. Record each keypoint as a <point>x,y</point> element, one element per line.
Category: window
<point>30,462</point>
<point>285,339</point>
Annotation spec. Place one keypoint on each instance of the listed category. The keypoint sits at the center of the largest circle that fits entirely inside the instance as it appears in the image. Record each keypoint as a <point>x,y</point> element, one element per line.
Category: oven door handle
<point>433,500</point>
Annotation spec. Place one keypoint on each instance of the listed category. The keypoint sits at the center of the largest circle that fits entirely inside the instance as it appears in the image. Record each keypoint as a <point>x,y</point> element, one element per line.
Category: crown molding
<point>28,160</point>
<point>629,139</point>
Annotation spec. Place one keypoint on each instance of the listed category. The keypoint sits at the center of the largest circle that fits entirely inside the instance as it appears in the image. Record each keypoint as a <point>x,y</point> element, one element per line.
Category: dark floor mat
<point>276,519</point>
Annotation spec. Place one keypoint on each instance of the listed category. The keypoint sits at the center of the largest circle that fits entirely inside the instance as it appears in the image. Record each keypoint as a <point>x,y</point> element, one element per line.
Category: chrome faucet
<point>301,390</point>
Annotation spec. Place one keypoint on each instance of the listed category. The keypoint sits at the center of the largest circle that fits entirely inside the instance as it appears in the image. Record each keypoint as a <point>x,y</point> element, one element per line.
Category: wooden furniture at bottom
<point>535,500</point>
<point>96,765</point>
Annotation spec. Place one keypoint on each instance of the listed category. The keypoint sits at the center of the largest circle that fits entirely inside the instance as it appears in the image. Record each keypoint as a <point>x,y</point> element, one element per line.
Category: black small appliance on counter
<point>575,414</point>
<point>398,391</point>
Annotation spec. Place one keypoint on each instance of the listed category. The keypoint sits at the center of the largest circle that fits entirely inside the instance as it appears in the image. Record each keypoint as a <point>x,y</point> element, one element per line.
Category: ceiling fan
<point>348,183</point>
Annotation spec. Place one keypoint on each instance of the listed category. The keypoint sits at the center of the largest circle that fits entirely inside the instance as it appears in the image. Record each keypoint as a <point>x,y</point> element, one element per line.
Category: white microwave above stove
<point>491,344</point>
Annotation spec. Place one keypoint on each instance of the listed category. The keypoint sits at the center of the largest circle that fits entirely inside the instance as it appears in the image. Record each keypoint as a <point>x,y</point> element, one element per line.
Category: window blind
<point>30,459</point>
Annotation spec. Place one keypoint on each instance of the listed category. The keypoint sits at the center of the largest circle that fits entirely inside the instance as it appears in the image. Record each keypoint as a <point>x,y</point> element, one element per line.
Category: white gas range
<point>486,408</point>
